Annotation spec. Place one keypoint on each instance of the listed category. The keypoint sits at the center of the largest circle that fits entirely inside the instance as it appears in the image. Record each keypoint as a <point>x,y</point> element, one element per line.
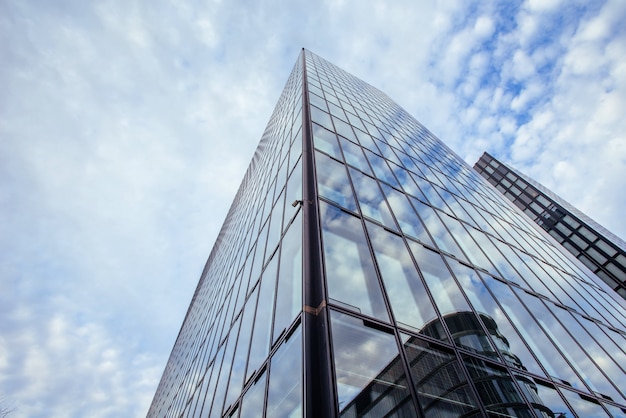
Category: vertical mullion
<point>319,396</point>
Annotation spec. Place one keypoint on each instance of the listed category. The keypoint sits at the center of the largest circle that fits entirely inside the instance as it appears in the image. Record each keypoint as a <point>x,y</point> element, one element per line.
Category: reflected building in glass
<point>601,251</point>
<point>364,270</point>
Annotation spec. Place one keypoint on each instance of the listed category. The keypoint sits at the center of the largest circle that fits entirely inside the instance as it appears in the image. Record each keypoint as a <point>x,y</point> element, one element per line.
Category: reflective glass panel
<point>405,290</point>
<point>371,200</point>
<point>333,183</point>
<point>241,354</point>
<point>284,397</point>
<point>353,155</point>
<point>409,223</point>
<point>503,334</point>
<point>263,321</point>
<point>541,346</point>
<point>545,399</point>
<point>437,230</point>
<point>289,293</point>
<point>444,289</point>
<point>369,372</point>
<point>350,272</point>
<point>497,389</point>
<point>584,406</point>
<point>440,383</point>
<point>252,402</point>
<point>326,141</point>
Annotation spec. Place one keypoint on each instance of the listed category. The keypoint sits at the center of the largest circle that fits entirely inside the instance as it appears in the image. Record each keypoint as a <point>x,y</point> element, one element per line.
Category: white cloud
<point>484,27</point>
<point>543,5</point>
<point>127,128</point>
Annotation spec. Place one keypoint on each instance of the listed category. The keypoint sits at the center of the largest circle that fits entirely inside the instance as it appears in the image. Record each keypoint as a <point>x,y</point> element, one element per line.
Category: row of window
<point>255,223</point>
<point>327,141</point>
<point>593,250</point>
<point>378,273</point>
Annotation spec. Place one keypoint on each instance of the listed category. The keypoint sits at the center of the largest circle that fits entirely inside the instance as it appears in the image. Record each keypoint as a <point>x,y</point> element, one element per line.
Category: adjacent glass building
<point>364,270</point>
<point>597,248</point>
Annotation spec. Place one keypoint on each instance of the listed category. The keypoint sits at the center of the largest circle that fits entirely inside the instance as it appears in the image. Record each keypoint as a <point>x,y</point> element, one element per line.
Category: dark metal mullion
<point>319,393</point>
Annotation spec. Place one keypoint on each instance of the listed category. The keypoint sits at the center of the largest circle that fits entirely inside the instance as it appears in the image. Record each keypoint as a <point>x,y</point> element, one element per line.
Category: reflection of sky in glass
<point>533,334</point>
<point>550,398</point>
<point>252,402</point>
<point>570,348</point>
<point>371,199</point>
<point>354,155</point>
<point>405,215</point>
<point>284,398</point>
<point>361,353</point>
<point>483,302</point>
<point>350,271</point>
<point>437,230</point>
<point>583,407</point>
<point>326,141</point>
<point>444,289</point>
<point>406,293</point>
<point>289,291</point>
<point>332,182</point>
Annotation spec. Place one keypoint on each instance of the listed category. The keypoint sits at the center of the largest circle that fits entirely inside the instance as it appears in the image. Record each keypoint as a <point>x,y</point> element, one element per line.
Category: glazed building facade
<point>365,270</point>
<point>597,248</point>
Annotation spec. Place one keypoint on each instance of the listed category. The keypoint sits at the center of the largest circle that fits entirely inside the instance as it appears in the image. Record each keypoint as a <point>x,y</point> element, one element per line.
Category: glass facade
<point>365,270</point>
<point>601,251</point>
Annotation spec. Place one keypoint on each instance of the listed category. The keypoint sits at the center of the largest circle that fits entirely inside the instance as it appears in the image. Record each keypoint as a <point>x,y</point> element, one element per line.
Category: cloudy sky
<point>127,125</point>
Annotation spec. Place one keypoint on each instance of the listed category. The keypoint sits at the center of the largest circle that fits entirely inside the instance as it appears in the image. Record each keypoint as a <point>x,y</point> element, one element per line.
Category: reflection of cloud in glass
<point>371,199</point>
<point>349,268</point>
<point>370,378</point>
<point>405,290</point>
<point>284,398</point>
<point>333,183</point>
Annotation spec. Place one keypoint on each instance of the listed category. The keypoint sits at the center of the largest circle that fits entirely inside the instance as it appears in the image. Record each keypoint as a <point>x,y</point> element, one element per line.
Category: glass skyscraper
<point>597,248</point>
<point>365,270</point>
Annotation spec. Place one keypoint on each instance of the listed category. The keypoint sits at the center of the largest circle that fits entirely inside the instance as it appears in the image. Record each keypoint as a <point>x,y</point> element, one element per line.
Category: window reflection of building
<point>441,384</point>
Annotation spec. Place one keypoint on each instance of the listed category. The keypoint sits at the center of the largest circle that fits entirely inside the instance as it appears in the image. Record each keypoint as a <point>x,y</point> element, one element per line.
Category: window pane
<point>332,181</point>
<point>444,289</point>
<point>354,155</point>
<point>252,402</point>
<point>437,230</point>
<point>584,407</point>
<point>381,169</point>
<point>440,383</point>
<point>284,397</point>
<point>241,354</point>
<point>263,321</point>
<point>369,371</point>
<point>371,199</point>
<point>349,268</point>
<point>496,389</point>
<point>405,215</point>
<point>503,334</point>
<point>326,141</point>
<point>405,290</point>
<point>533,335</point>
<point>545,399</point>
<point>289,293</point>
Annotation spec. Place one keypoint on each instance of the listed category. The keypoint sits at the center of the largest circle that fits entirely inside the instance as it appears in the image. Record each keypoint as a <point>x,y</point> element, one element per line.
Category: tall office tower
<point>365,270</point>
<point>601,251</point>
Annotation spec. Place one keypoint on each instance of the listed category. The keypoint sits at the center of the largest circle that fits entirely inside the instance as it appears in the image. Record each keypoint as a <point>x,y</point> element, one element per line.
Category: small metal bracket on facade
<point>300,202</point>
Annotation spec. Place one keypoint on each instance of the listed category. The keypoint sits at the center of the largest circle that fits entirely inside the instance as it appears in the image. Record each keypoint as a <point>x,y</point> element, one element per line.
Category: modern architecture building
<point>364,270</point>
<point>601,251</point>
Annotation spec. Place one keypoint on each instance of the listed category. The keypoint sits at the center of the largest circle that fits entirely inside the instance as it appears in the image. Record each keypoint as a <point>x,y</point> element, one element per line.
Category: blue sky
<point>126,127</point>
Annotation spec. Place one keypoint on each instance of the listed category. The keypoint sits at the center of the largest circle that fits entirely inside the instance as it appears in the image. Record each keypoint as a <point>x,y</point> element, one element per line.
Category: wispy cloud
<point>126,128</point>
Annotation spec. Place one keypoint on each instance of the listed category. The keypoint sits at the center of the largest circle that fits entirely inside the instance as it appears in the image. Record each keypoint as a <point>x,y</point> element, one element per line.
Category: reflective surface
<point>432,296</point>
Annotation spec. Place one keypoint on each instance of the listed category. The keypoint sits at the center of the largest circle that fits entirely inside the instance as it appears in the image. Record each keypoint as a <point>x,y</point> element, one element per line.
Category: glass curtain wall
<point>443,300</point>
<point>239,349</point>
<point>438,298</point>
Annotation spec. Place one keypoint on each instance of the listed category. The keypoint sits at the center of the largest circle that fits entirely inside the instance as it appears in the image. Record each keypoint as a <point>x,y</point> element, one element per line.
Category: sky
<point>126,127</point>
